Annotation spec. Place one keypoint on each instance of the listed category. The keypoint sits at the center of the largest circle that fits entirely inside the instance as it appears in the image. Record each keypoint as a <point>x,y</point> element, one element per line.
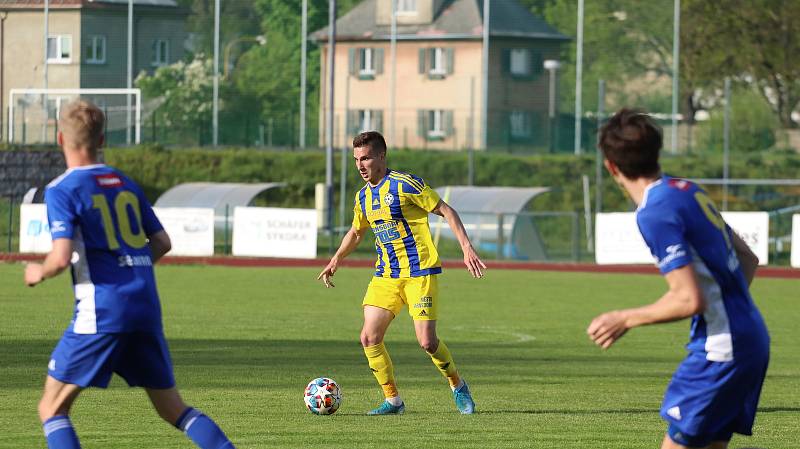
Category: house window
<point>438,62</point>
<point>436,123</point>
<point>96,50</point>
<point>520,62</point>
<point>160,52</point>
<point>59,49</point>
<point>520,124</point>
<point>367,66</point>
<point>366,120</point>
<point>406,6</point>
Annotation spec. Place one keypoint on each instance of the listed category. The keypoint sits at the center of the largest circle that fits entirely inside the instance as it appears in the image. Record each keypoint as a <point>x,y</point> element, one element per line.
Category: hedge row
<point>157,169</point>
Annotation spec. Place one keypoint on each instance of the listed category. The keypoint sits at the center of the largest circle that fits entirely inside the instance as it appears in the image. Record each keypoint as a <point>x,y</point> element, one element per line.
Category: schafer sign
<point>273,232</point>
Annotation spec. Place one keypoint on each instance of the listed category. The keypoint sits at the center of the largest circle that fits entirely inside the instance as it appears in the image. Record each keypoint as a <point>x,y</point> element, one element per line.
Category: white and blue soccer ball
<point>323,396</point>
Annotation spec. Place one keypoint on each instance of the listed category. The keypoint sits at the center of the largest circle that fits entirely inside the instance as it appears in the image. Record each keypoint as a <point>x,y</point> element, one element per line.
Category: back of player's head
<point>631,140</point>
<point>371,139</point>
<point>81,123</point>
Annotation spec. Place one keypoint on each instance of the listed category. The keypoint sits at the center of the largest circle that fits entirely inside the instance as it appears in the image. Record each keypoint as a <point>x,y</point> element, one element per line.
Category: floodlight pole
<point>552,65</point>
<point>579,80</point>
<point>485,80</point>
<point>215,100</point>
<point>726,144</point>
<point>676,45</point>
<point>393,78</point>
<point>129,84</point>
<point>329,124</point>
<point>46,38</point>
<point>303,57</point>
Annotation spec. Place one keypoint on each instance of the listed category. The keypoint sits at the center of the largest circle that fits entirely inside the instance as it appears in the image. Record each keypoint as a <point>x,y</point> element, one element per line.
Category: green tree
<point>754,41</point>
<point>752,124</point>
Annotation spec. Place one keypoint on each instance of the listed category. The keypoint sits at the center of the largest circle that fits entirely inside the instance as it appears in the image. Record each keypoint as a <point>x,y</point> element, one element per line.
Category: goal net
<point>33,113</point>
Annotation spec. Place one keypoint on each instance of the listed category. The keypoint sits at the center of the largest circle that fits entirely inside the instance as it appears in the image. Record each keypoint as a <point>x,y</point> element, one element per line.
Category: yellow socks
<point>444,362</point>
<point>381,365</point>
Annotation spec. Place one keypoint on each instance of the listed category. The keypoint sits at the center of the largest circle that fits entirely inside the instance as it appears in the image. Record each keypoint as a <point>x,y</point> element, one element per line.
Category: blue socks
<point>202,430</point>
<point>60,434</point>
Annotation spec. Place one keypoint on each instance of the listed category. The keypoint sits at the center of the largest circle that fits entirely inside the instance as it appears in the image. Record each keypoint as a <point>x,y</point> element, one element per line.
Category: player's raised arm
<point>471,259</point>
<point>682,300</point>
<point>349,243</point>
<point>56,261</point>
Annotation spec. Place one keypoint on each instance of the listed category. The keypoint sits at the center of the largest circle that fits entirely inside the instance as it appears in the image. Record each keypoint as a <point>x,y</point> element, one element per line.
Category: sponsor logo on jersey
<point>388,198</point>
<point>423,313</point>
<point>58,226</point>
<point>110,180</point>
<point>673,252</point>
<point>376,202</point>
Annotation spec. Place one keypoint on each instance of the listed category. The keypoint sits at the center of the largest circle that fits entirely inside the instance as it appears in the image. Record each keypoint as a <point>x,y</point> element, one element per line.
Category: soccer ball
<point>323,396</point>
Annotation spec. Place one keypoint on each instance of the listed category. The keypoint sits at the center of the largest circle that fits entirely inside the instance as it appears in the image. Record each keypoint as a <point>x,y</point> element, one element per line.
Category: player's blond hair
<point>81,123</point>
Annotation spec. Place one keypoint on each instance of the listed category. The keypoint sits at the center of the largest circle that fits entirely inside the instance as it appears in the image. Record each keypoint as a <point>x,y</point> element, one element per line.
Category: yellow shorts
<point>419,293</point>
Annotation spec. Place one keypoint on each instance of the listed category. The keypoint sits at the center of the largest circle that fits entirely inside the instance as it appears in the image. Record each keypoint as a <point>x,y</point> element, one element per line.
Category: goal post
<point>33,113</point>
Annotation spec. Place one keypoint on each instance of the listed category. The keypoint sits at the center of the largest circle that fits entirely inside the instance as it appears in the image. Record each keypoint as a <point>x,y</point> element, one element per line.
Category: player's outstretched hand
<point>33,274</point>
<point>474,264</point>
<point>607,328</point>
<point>326,274</point>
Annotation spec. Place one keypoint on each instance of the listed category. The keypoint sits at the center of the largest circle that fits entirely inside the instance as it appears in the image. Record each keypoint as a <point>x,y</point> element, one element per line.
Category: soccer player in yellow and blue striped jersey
<point>395,205</point>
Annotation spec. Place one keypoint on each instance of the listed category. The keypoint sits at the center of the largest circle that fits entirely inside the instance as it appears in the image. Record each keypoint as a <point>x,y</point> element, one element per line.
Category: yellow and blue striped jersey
<point>397,211</point>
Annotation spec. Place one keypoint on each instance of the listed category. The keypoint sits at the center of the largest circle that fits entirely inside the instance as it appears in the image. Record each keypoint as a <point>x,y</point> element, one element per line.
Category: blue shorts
<point>89,360</point>
<point>710,401</point>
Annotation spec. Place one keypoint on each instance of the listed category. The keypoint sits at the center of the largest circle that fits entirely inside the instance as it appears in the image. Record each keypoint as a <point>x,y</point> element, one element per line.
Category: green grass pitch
<point>245,341</point>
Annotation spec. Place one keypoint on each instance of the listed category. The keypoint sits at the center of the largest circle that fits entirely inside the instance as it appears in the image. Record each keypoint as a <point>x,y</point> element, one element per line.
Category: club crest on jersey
<point>680,184</point>
<point>109,180</point>
<point>388,198</point>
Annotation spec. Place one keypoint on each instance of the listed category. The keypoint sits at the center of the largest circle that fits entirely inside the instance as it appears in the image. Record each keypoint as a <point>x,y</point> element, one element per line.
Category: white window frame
<point>160,58</point>
<point>366,120</point>
<point>520,124</point>
<point>406,7</point>
<point>519,62</point>
<point>62,42</point>
<point>97,42</point>
<point>438,62</point>
<point>436,123</point>
<point>367,61</point>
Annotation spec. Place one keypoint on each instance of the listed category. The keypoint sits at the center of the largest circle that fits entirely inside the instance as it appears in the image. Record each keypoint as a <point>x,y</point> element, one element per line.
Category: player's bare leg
<point>669,444</point>
<point>57,399</point>
<point>201,429</point>
<point>441,357</point>
<point>376,322</point>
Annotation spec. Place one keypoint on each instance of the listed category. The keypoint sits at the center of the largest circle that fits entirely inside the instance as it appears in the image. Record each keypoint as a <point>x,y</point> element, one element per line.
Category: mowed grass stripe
<point>245,341</point>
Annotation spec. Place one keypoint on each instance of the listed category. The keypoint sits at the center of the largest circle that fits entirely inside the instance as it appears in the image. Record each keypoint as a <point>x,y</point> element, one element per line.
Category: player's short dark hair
<point>372,139</point>
<point>632,140</point>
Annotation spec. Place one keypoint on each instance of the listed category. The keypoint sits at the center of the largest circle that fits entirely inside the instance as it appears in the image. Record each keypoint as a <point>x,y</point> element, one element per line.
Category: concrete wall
<point>22,170</point>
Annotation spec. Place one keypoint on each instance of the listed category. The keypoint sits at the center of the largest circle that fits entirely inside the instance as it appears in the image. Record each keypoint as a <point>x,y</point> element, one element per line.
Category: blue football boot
<point>386,408</point>
<point>463,399</point>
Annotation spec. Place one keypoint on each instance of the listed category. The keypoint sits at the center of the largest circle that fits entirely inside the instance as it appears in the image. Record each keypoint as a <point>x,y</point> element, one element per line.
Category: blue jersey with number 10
<point>681,225</point>
<point>108,219</point>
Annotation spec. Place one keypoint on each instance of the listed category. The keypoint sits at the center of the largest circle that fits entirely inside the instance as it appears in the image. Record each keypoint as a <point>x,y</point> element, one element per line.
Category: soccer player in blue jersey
<point>708,268</point>
<point>104,229</point>
<point>396,206</point>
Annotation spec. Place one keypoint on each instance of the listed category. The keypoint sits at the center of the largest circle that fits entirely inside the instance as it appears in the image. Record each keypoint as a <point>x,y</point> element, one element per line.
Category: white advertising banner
<point>34,231</point>
<point>191,229</point>
<point>618,241</point>
<point>796,241</point>
<point>273,232</point>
